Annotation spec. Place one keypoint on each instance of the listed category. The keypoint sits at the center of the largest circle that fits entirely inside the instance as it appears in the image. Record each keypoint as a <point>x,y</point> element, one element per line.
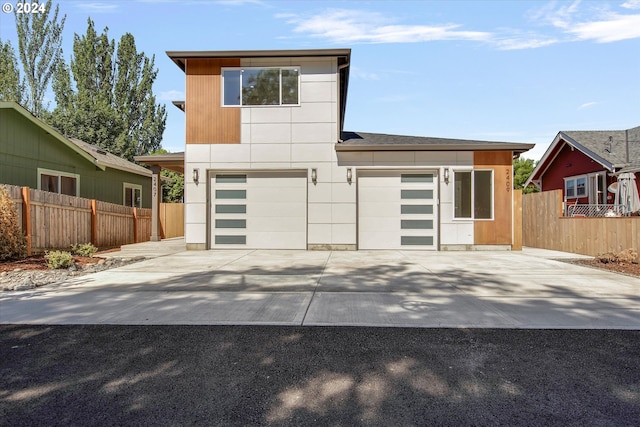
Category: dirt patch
<point>38,262</point>
<point>630,269</point>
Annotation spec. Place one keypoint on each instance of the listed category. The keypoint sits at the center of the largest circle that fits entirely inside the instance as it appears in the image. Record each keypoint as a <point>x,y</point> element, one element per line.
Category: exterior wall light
<point>446,175</point>
<point>314,175</point>
<point>196,175</point>
<point>349,175</point>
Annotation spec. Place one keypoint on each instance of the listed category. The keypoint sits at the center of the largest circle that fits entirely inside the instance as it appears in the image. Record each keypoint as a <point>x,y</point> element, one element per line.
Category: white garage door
<point>259,210</point>
<point>397,210</point>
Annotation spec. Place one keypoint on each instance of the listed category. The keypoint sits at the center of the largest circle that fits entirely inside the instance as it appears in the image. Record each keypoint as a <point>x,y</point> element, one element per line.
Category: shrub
<point>12,241</point>
<point>58,259</point>
<point>86,249</point>
<point>627,256</point>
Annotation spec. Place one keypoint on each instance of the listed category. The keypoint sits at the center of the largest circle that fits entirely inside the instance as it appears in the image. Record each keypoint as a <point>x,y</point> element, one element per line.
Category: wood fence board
<point>543,226</point>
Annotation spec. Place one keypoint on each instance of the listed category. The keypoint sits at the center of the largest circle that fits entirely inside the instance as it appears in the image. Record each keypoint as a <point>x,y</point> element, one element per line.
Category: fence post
<point>94,223</point>
<point>26,216</point>
<point>517,220</point>
<point>135,225</point>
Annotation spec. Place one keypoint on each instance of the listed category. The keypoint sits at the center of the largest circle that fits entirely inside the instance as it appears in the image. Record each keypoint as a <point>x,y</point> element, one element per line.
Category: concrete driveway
<point>528,289</point>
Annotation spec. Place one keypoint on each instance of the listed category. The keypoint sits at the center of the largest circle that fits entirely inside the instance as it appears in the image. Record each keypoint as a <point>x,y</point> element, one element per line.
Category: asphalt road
<point>231,375</point>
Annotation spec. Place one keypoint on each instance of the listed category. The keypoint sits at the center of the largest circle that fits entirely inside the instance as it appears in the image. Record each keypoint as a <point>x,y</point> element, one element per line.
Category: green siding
<point>25,147</point>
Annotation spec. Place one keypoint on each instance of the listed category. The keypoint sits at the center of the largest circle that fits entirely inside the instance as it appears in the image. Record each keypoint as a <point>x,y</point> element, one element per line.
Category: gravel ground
<point>283,376</point>
<point>23,279</point>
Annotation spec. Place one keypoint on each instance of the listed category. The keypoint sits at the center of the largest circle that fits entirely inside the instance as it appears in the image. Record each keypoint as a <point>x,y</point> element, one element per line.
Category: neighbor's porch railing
<point>588,210</point>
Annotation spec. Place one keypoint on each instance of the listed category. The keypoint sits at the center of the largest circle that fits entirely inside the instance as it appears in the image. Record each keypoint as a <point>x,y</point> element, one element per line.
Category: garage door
<point>259,210</point>
<point>397,210</point>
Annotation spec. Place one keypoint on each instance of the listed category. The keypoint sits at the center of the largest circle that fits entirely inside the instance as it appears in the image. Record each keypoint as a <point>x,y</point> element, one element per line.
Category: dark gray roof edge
<point>257,53</point>
<point>422,143</point>
<point>604,162</point>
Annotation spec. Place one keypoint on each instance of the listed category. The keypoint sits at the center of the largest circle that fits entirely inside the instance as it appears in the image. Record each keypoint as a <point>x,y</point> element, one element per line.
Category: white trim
<point>575,179</point>
<point>52,172</point>
<point>241,69</point>
<point>126,185</point>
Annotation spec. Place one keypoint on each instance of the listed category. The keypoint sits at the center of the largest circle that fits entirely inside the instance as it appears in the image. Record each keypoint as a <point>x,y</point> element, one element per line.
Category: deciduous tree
<point>11,85</point>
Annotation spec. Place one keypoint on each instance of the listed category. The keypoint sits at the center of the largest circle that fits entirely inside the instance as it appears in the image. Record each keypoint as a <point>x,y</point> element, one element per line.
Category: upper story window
<point>260,86</point>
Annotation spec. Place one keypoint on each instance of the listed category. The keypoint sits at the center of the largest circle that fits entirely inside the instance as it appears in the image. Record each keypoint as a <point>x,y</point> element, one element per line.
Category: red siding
<point>571,163</point>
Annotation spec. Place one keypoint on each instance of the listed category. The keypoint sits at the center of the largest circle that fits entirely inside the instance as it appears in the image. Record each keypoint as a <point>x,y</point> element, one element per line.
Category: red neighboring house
<point>583,164</point>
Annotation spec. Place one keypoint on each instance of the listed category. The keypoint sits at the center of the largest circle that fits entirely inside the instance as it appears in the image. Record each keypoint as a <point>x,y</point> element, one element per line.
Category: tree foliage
<point>11,85</point>
<point>522,169</point>
<point>173,188</point>
<point>105,96</point>
<point>40,48</point>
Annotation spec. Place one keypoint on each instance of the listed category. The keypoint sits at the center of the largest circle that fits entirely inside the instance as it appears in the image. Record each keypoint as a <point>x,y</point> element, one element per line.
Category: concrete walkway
<point>529,289</point>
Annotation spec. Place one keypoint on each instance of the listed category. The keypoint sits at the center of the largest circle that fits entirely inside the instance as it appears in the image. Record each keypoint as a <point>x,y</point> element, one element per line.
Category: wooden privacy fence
<point>57,221</point>
<point>171,220</point>
<point>544,226</point>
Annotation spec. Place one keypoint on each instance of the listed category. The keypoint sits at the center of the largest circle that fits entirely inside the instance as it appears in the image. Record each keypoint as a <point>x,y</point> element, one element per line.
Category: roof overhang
<point>179,57</point>
<point>507,146</point>
<point>170,161</point>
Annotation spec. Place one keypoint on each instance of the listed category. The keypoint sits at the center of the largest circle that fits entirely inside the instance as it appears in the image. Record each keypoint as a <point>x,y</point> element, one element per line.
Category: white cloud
<point>171,95</point>
<point>587,105</point>
<point>613,28</point>
<point>631,4</point>
<point>356,26</point>
<point>96,7</point>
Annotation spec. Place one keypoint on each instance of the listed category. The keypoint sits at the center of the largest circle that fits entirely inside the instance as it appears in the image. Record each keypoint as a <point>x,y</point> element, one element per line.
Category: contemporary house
<point>268,164</point>
<point>585,165</point>
<point>35,155</point>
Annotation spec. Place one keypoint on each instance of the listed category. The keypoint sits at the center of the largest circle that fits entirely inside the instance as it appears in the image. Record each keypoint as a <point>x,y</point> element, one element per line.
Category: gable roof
<point>364,141</point>
<point>615,150</point>
<point>11,105</point>
<point>104,158</point>
<point>92,153</point>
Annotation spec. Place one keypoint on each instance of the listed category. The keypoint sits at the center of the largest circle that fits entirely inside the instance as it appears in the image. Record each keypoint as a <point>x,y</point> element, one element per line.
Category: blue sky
<point>516,71</point>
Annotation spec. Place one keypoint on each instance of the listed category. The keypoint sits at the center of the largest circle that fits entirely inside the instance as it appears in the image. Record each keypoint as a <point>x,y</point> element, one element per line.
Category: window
<point>260,86</point>
<point>58,182</point>
<point>575,186</point>
<point>473,194</point>
<point>132,195</point>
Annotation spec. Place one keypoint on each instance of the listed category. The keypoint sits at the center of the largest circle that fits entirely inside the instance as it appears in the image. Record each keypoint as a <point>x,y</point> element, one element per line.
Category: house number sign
<point>508,179</point>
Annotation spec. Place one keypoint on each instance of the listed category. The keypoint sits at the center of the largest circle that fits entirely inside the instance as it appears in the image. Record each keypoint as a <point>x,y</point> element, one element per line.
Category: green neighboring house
<point>34,154</point>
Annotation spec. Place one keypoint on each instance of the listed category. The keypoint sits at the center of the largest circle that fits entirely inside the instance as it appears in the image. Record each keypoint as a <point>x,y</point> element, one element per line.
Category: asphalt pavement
<point>106,375</point>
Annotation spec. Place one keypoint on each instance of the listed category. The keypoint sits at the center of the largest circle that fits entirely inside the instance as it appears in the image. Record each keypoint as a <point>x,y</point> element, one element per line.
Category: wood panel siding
<point>499,230</point>
<point>207,122</point>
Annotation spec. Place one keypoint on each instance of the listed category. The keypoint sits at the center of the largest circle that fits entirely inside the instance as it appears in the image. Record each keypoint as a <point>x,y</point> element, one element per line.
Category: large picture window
<point>260,86</point>
<point>58,182</point>
<point>473,194</point>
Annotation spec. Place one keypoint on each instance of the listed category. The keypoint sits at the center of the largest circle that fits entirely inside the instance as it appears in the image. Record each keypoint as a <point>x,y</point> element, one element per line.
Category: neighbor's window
<point>575,186</point>
<point>260,86</point>
<point>132,195</point>
<point>58,182</point>
<point>473,194</point>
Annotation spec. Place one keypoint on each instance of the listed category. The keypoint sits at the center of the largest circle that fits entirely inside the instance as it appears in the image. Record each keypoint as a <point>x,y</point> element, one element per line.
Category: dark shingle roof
<point>355,141</point>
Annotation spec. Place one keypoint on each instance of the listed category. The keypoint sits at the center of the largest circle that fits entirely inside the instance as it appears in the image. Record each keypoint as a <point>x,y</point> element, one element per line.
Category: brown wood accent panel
<point>499,230</point>
<point>207,121</point>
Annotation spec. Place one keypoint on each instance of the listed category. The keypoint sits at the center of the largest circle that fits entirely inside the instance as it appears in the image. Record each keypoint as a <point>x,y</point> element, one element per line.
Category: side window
<point>260,86</point>
<point>132,195</point>
<point>58,182</point>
